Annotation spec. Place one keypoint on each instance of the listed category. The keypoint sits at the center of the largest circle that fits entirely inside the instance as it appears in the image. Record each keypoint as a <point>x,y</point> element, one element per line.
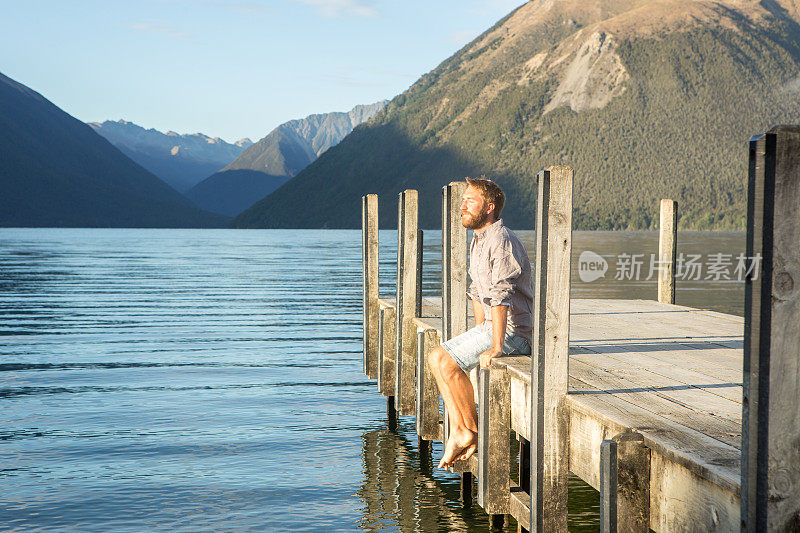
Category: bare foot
<point>460,443</point>
<point>468,452</point>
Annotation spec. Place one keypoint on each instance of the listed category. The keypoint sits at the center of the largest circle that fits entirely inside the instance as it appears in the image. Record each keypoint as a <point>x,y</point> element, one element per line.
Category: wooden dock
<point>646,401</point>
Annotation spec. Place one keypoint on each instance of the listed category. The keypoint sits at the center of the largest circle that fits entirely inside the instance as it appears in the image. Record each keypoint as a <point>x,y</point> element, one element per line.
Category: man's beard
<point>475,221</point>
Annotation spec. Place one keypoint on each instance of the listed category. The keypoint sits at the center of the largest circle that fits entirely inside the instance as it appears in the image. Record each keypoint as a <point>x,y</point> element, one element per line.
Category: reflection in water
<point>401,491</point>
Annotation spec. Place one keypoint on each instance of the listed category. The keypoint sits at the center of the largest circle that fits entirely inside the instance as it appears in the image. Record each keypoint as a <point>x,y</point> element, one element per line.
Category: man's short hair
<point>491,193</point>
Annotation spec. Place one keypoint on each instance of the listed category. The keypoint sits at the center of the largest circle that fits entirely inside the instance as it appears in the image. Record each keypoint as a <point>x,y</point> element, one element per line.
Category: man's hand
<point>499,318</point>
<point>488,355</point>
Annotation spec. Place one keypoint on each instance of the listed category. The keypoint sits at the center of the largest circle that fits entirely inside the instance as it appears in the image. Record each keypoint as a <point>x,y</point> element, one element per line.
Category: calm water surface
<point>211,380</point>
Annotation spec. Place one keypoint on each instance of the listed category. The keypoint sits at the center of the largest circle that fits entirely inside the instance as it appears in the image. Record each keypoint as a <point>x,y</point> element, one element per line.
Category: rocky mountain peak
<point>645,99</point>
<point>182,160</point>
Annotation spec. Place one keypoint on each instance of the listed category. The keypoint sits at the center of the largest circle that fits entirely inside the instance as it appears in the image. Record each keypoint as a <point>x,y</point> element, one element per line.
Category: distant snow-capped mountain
<point>181,160</point>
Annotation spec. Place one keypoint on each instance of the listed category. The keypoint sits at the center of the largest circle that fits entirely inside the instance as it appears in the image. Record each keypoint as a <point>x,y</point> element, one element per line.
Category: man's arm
<point>499,319</point>
<point>477,310</point>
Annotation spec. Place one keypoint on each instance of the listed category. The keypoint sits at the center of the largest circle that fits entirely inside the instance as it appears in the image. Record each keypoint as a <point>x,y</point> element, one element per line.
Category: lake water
<point>211,380</point>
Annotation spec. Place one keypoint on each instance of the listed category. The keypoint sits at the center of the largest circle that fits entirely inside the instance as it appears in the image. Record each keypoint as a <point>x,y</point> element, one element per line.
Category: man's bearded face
<point>473,209</point>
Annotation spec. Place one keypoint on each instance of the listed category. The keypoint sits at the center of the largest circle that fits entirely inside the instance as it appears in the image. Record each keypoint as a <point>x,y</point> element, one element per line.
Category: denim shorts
<point>466,349</point>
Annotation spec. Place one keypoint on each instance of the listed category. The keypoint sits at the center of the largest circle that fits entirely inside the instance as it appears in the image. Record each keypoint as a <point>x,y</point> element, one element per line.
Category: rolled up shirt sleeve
<point>472,292</point>
<point>504,270</point>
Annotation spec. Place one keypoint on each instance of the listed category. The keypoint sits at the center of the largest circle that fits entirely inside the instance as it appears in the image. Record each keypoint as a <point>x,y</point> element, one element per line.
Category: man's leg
<point>457,393</point>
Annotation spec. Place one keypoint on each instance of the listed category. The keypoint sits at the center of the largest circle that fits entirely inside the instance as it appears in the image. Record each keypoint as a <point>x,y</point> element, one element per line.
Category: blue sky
<point>231,69</point>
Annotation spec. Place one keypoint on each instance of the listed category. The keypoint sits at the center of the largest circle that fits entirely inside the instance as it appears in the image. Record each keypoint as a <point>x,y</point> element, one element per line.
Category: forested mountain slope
<point>646,99</point>
<point>56,171</point>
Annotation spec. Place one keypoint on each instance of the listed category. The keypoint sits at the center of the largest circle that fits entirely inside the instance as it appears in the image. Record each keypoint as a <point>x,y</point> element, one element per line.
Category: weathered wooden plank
<point>427,393</point>
<point>683,501</point>
<point>676,367</point>
<point>519,502</point>
<point>633,483</point>
<point>494,421</point>
<point>673,320</point>
<point>521,409</point>
<point>587,434</point>
<point>549,363</point>
<point>667,250</point>
<point>664,403</point>
<point>386,351</point>
<point>369,248</point>
<point>658,379</point>
<point>703,355</point>
<point>595,415</point>
<point>454,261</point>
<point>406,308</point>
<point>771,418</point>
<point>672,482</point>
<point>608,486</point>
<point>662,324</point>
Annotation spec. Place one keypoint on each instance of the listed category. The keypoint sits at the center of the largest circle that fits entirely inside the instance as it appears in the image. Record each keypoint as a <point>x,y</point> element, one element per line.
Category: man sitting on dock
<point>502,300</point>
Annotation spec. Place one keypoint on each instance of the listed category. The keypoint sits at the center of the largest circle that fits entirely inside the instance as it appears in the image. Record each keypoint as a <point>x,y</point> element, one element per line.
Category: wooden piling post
<point>406,307</point>
<point>494,426</point>
<point>667,251</point>
<point>549,360</point>
<point>420,249</point>
<point>625,484</point>
<point>466,488</point>
<point>386,351</point>
<point>524,471</point>
<point>454,262</point>
<point>369,249</point>
<point>386,347</point>
<point>454,281</point>
<point>770,485</point>
<point>608,486</point>
<point>633,483</point>
<point>427,393</point>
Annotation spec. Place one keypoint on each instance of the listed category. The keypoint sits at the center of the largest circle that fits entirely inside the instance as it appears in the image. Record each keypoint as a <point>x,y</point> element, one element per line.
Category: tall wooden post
<point>406,306</point>
<point>667,249</point>
<point>549,359</point>
<point>369,249</point>
<point>454,262</point>
<point>454,285</point>
<point>770,488</point>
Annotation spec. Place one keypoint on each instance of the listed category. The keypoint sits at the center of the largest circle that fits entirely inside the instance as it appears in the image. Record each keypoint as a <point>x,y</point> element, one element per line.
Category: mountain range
<point>56,171</point>
<point>181,160</point>
<point>275,159</point>
<point>646,99</point>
